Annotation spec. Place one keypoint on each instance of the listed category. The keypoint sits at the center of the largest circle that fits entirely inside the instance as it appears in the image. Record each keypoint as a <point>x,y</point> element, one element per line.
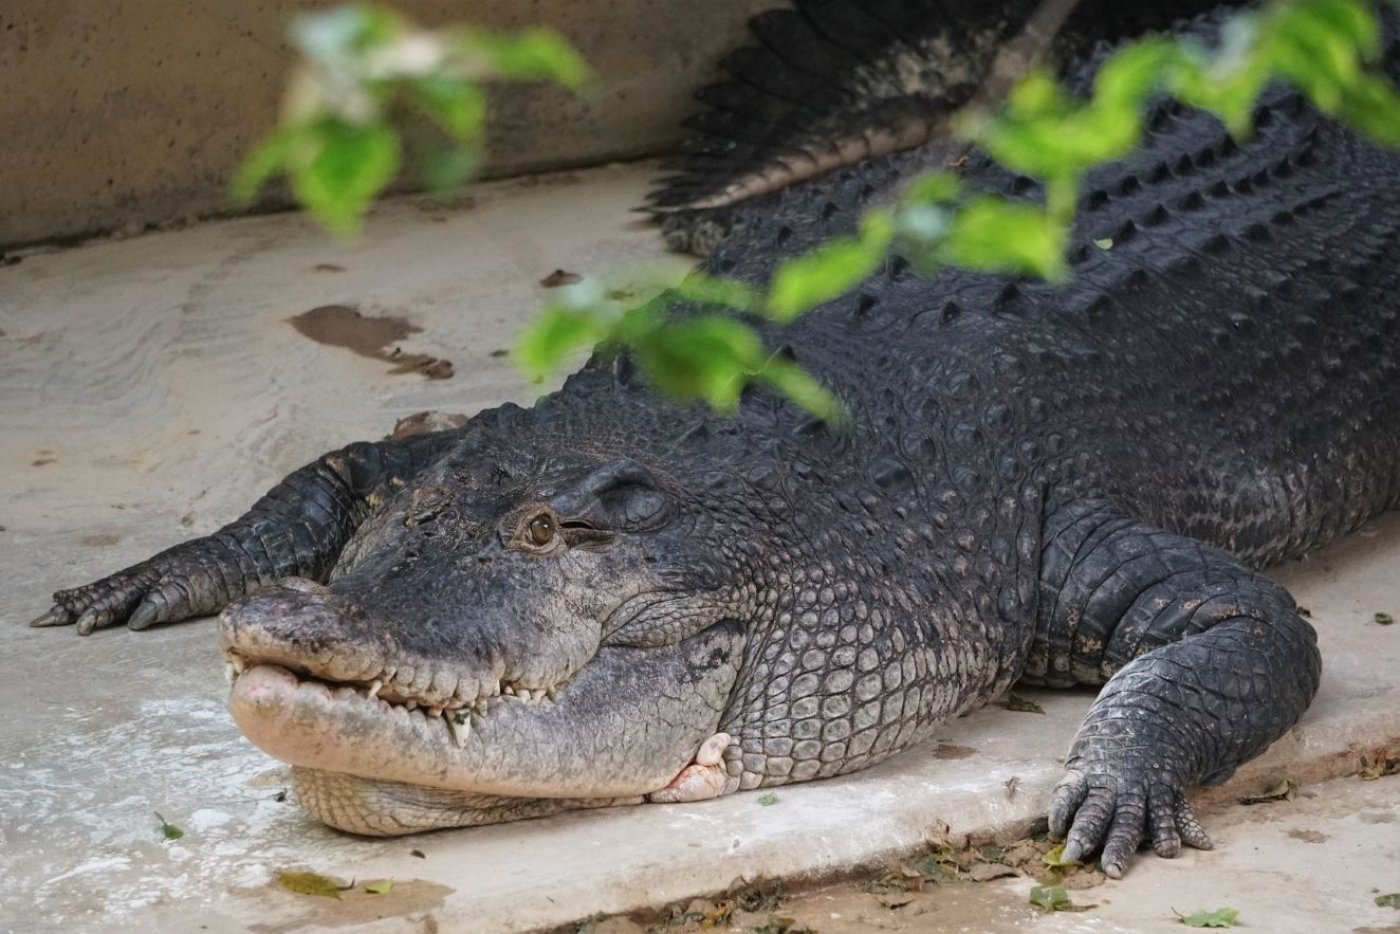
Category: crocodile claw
<point>1115,813</point>
<point>56,616</point>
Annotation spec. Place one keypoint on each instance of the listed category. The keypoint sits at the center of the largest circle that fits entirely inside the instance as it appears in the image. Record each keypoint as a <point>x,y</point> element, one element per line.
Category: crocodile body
<point>611,596</point>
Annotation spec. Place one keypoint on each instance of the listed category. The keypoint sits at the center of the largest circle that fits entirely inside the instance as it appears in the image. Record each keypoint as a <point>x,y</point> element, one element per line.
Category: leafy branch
<point>360,65</point>
<point>339,150</point>
<point>1326,48</point>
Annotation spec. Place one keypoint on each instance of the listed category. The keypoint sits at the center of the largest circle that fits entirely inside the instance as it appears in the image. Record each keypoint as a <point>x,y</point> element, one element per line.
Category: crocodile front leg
<point>1206,663</point>
<point>297,529</point>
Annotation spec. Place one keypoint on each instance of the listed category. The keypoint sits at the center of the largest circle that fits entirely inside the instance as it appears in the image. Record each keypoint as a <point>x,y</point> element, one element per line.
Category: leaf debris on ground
<point>379,887</point>
<point>560,277</point>
<point>311,883</point>
<point>765,800</point>
<point>1283,791</point>
<point>1054,898</point>
<point>1384,619</point>
<point>168,831</point>
<point>1388,901</point>
<point>1219,918</point>
<point>1383,761</point>
<point>1022,705</point>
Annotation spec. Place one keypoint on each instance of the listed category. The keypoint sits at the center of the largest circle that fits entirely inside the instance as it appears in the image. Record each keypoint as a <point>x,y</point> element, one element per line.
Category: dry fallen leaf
<point>310,883</point>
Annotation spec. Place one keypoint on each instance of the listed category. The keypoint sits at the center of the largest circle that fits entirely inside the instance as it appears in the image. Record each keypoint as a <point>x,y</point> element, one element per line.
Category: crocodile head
<point>512,634</point>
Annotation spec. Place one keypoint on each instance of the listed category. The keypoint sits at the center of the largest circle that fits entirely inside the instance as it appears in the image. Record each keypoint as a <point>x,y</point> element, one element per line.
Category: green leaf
<point>534,53</point>
<point>713,290</point>
<point>933,188</point>
<point>382,887</point>
<point>266,160</point>
<point>1219,918</point>
<point>831,269</point>
<point>337,168</point>
<point>766,800</point>
<point>1055,858</point>
<point>344,31</point>
<point>456,105</point>
<point>1048,899</point>
<point>998,235</point>
<point>1105,244</point>
<point>447,168</point>
<point>1388,901</point>
<point>168,831</point>
<point>310,883</point>
<point>801,387</point>
<point>708,357</point>
<point>555,334</point>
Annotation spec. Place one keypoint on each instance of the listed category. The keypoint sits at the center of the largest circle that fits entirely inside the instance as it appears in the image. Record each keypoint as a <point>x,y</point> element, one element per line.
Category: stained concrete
<point>150,389</point>
<point>128,113</point>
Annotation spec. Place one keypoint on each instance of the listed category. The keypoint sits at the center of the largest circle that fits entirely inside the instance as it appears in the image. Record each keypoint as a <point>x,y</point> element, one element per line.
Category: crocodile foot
<point>703,779</point>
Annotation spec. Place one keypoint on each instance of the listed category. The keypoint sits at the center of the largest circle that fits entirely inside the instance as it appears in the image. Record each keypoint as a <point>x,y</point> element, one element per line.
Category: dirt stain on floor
<point>413,900</point>
<point>373,337</point>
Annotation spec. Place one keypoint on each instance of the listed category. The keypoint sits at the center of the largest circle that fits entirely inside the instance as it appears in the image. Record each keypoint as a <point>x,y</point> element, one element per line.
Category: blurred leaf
<point>831,269</point>
<point>1219,918</point>
<point>726,293</point>
<point>1391,900</point>
<point>934,188</point>
<point>553,336</point>
<point>259,166</point>
<point>534,53</point>
<point>766,800</point>
<point>1105,244</point>
<point>337,168</point>
<point>799,386</point>
<point>447,168</point>
<point>343,31</point>
<point>454,104</point>
<point>382,887</point>
<point>998,235</point>
<point>705,357</point>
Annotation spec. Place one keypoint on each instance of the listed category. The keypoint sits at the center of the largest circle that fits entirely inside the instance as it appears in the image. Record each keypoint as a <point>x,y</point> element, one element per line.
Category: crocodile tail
<point>831,83</point>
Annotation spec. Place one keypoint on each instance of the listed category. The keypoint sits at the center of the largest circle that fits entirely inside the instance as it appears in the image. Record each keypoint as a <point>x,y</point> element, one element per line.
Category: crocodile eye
<point>542,530</point>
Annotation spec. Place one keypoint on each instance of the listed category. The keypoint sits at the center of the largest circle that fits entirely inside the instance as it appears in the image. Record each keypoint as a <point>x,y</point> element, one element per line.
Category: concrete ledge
<point>153,389</point>
<point>129,113</point>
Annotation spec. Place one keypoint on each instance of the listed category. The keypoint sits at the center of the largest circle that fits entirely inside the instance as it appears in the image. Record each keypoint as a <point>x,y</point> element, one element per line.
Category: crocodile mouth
<point>371,731</point>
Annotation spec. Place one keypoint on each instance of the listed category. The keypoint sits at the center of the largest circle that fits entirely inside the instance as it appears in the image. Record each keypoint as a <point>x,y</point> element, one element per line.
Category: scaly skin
<point>1063,484</point>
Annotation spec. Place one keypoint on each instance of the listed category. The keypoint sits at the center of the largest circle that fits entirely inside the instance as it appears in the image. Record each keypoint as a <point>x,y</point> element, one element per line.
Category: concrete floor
<point>150,389</point>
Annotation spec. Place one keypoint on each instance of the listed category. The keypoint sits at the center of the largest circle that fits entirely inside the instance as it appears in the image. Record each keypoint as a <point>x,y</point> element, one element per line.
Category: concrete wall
<point>127,113</point>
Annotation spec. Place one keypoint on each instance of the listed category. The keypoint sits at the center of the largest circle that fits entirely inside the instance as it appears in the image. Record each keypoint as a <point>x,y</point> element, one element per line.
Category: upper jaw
<point>305,628</point>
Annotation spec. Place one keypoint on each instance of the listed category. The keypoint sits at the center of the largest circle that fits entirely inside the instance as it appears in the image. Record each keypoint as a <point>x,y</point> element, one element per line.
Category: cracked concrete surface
<point>152,388</point>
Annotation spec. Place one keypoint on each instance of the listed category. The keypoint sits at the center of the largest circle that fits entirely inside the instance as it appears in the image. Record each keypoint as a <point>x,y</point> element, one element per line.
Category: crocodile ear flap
<point>621,496</point>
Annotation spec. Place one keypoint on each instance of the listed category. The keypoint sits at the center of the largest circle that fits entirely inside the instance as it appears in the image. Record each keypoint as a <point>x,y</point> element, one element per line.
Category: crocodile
<point>613,597</point>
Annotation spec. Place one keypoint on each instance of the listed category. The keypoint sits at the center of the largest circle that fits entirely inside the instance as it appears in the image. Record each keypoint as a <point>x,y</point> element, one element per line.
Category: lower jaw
<point>374,808</point>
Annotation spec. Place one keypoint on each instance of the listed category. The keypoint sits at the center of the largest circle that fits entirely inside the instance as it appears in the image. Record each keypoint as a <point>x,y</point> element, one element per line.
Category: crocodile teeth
<point>230,673</point>
<point>435,711</point>
<point>238,664</point>
<point>508,690</point>
<point>411,705</point>
<point>459,726</point>
<point>375,688</point>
